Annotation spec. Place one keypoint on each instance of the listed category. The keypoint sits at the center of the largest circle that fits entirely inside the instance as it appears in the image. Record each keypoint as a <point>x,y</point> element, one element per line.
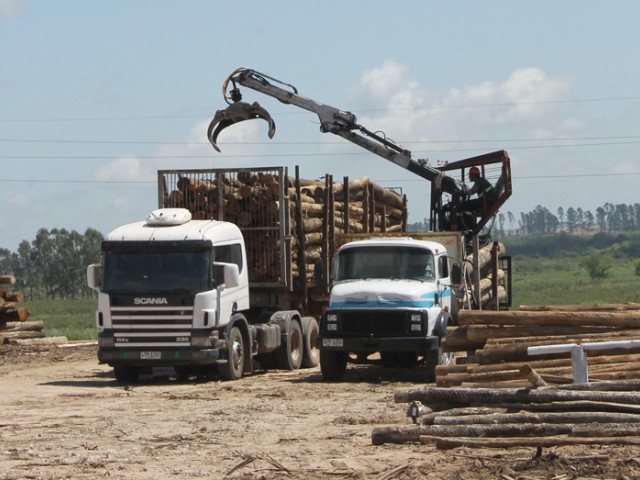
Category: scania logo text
<point>150,301</point>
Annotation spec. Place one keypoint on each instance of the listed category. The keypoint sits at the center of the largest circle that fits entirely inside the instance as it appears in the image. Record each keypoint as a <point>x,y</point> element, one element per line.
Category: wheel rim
<point>237,355</point>
<point>296,346</point>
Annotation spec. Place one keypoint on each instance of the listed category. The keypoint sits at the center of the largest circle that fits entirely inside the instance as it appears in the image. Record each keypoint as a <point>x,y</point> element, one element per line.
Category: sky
<point>97,96</point>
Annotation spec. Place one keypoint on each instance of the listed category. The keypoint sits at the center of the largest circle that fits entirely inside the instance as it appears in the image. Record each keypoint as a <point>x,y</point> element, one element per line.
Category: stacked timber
<point>259,201</point>
<point>491,293</point>
<point>501,395</point>
<point>496,345</point>
<point>606,413</point>
<point>13,324</point>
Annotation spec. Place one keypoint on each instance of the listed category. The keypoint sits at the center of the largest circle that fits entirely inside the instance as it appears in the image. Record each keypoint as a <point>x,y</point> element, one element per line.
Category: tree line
<point>608,218</point>
<point>54,264</point>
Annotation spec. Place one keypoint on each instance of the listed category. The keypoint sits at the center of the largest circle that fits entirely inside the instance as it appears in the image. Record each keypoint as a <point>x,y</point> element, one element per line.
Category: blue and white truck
<point>391,301</point>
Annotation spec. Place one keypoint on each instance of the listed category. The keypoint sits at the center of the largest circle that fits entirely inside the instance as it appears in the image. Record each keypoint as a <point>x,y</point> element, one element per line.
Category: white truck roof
<point>173,224</point>
<point>398,241</point>
<point>437,242</point>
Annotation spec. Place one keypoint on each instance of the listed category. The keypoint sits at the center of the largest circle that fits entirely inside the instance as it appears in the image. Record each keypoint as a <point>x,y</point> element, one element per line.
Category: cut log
<point>39,341</point>
<point>7,279</point>
<point>538,417</point>
<point>484,396</point>
<point>581,307</point>
<point>533,376</point>
<point>17,315</point>
<point>23,334</point>
<point>484,332</point>
<point>448,443</point>
<point>22,326</point>
<point>629,319</point>
<point>409,434</point>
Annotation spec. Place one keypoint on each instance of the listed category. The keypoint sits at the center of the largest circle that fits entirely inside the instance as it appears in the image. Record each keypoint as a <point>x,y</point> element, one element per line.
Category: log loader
<point>448,193</point>
<point>390,298</point>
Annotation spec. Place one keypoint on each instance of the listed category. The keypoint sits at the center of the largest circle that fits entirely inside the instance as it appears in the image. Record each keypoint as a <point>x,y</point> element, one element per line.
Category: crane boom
<point>345,124</point>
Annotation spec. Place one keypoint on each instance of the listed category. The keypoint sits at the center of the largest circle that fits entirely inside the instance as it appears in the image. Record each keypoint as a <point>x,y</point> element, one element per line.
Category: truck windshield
<point>156,271</point>
<point>385,262</point>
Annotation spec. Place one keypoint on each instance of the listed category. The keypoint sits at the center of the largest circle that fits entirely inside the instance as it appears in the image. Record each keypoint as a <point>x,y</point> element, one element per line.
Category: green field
<point>546,270</point>
<point>562,281</point>
<point>74,319</point>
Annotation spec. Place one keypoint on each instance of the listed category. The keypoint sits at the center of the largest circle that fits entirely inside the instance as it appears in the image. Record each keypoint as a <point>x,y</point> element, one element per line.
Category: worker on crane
<point>485,193</point>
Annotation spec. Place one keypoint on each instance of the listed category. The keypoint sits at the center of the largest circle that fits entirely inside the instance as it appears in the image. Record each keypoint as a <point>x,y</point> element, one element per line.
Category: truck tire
<point>234,368</point>
<point>289,355</point>
<point>434,358</point>
<point>333,365</point>
<point>310,330</point>
<point>126,374</point>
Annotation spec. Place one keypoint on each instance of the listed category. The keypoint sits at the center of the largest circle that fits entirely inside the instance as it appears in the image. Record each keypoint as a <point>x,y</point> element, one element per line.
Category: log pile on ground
<point>606,413</point>
<point>496,345</point>
<point>255,200</point>
<point>13,324</point>
<point>500,395</point>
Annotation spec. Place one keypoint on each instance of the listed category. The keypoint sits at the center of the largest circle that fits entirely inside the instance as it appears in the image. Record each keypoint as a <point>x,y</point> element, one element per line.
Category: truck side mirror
<point>456,274</point>
<point>93,276</point>
<point>227,274</point>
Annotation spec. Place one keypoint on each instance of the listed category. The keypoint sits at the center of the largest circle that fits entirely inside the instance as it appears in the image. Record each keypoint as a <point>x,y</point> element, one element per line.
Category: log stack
<point>13,324</point>
<point>260,200</point>
<point>596,414</point>
<point>488,265</point>
<point>492,346</point>
<point>498,395</point>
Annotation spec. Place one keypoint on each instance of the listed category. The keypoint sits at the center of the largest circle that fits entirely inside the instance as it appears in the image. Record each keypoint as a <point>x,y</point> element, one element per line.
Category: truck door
<point>444,281</point>
<point>236,298</point>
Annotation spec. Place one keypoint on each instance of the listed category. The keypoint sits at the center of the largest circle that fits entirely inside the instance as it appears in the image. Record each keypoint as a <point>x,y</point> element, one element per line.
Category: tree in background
<point>54,264</point>
<point>597,265</point>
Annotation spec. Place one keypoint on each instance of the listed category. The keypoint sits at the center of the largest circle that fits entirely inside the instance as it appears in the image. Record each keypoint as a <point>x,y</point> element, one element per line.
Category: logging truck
<point>393,297</point>
<point>229,274</point>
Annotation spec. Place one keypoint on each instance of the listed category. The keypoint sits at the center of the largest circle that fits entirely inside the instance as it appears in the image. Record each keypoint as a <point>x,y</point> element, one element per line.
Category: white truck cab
<point>390,295</point>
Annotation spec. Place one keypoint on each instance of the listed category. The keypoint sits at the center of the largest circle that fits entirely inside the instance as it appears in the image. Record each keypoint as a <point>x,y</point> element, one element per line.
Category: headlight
<point>332,317</point>
<point>200,342</point>
<point>416,318</point>
<point>106,342</point>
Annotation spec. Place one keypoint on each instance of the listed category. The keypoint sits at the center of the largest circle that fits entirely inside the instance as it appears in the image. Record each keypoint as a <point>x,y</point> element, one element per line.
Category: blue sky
<point>96,96</point>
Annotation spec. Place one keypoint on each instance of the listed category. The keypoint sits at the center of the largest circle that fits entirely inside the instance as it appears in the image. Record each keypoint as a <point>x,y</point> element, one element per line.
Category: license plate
<point>332,342</point>
<point>149,355</point>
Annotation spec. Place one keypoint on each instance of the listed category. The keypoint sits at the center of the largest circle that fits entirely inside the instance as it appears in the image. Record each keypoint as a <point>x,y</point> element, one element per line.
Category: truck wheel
<point>289,355</point>
<point>433,359</point>
<point>311,356</point>
<point>233,369</point>
<point>126,374</point>
<point>333,365</point>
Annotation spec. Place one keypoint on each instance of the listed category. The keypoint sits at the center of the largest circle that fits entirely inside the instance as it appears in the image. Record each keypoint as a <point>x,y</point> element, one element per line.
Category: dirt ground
<point>62,415</point>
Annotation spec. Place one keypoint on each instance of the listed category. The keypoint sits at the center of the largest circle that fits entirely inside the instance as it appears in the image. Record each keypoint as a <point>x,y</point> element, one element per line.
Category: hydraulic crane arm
<point>448,211</point>
<point>332,120</point>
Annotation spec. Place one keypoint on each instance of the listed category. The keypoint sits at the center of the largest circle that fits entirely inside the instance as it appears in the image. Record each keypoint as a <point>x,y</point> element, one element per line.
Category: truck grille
<point>375,323</point>
<point>152,326</point>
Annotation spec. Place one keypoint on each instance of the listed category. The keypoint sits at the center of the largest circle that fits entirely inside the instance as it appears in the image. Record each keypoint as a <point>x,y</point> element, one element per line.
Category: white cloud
<point>9,8</point>
<point>413,112</point>
<point>127,168</point>
<point>20,200</point>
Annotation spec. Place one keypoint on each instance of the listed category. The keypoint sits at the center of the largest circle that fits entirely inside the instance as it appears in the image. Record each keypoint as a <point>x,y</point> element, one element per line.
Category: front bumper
<point>374,344</point>
<point>158,358</point>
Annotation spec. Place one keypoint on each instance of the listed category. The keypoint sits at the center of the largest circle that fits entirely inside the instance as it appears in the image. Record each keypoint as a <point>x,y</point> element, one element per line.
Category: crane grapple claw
<point>235,113</point>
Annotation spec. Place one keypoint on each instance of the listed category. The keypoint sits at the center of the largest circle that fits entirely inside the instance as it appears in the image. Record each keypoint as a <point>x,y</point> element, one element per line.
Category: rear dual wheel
<point>289,355</point>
